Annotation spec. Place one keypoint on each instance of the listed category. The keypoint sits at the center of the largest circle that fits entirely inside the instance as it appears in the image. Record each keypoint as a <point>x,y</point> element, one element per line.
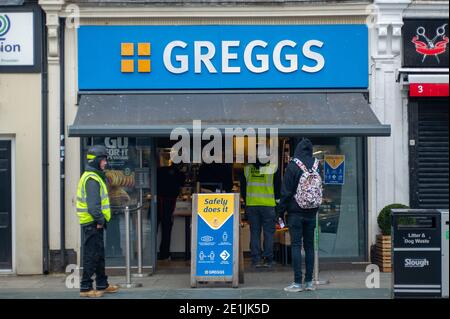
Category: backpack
<point>309,189</point>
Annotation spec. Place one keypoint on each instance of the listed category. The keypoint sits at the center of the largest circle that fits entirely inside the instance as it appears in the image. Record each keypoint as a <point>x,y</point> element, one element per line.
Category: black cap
<point>96,151</point>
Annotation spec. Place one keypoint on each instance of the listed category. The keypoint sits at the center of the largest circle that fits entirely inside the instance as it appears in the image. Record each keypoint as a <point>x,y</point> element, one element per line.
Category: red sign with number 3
<point>428,89</point>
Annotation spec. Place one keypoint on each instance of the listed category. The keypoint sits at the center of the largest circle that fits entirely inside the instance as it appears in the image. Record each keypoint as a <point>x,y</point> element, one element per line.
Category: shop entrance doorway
<point>342,216</point>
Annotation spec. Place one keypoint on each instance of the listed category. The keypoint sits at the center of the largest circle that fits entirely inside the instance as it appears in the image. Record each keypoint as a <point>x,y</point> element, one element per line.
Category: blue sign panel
<point>334,169</point>
<point>222,57</point>
<point>215,249</point>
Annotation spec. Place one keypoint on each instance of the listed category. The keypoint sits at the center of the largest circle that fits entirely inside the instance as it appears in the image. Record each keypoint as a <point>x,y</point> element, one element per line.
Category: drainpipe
<point>51,9</point>
<point>62,176</point>
<point>44,138</point>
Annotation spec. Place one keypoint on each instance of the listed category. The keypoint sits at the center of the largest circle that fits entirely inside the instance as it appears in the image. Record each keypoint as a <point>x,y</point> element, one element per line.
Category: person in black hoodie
<point>301,222</point>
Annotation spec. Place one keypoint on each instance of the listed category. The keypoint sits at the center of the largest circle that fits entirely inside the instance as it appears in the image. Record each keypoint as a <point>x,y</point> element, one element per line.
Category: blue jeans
<point>261,216</point>
<point>302,226</point>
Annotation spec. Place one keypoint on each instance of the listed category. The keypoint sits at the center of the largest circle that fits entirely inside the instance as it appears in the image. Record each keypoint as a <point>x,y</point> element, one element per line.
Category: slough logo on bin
<point>431,46</point>
<point>416,263</point>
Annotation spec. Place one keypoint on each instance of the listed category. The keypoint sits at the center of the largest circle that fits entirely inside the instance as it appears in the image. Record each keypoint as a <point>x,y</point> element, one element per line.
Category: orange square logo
<point>144,49</point>
<point>127,66</point>
<point>127,49</point>
<point>144,66</point>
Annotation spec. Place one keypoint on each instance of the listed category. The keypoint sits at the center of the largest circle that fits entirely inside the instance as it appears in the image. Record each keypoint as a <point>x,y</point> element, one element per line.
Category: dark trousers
<point>166,206</point>
<point>93,258</point>
<point>301,227</point>
<point>261,217</point>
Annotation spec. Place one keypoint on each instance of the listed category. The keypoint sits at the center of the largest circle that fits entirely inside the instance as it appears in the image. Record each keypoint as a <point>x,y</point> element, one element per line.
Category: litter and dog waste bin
<point>420,253</point>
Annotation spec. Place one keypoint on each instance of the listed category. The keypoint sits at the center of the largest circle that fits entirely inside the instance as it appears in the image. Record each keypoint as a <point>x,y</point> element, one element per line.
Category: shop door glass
<point>341,215</point>
<point>128,180</point>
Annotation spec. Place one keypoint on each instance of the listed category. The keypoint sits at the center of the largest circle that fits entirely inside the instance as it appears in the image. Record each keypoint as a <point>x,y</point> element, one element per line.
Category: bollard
<point>140,273</point>
<point>128,283</point>
<point>317,280</point>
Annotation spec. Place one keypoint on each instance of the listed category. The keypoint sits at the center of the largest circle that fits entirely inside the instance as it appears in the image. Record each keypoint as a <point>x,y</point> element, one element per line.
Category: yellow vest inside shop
<point>260,189</point>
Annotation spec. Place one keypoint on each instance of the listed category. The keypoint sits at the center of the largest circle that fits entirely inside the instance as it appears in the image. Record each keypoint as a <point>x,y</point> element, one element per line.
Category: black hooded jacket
<point>93,199</point>
<point>303,152</point>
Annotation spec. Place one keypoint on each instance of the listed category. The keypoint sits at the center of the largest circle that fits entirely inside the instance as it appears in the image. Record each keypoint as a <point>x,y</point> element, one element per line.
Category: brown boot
<point>111,289</point>
<point>91,294</point>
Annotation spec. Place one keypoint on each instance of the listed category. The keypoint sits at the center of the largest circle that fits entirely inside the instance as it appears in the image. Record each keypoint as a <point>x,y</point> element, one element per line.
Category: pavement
<point>258,284</point>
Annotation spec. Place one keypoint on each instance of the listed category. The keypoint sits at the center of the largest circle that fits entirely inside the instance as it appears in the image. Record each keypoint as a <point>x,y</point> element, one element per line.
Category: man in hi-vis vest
<point>94,212</point>
<point>259,188</point>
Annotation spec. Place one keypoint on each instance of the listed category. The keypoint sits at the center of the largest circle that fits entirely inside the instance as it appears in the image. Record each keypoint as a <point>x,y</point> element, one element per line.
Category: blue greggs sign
<point>223,57</point>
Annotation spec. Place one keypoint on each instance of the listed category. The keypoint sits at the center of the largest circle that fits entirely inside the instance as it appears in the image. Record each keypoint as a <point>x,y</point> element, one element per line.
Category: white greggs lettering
<point>204,52</point>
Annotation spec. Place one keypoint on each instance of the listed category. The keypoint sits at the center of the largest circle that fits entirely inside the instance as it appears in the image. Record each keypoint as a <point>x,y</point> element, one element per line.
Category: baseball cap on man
<point>96,152</point>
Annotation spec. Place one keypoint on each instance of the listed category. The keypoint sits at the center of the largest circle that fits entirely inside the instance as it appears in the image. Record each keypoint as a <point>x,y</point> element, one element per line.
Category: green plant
<point>384,218</point>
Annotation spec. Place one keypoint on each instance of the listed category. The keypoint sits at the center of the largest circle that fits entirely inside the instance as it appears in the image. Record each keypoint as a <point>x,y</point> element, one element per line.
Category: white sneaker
<point>294,287</point>
<point>309,286</point>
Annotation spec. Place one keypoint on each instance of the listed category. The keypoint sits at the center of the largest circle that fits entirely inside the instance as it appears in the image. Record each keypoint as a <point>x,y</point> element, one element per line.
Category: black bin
<point>416,253</point>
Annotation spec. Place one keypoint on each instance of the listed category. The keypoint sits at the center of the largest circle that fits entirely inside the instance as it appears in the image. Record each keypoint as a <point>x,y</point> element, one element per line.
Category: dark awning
<point>313,114</point>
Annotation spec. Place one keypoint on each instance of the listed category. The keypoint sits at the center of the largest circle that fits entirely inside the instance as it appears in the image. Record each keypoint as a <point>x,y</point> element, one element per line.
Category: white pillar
<point>388,156</point>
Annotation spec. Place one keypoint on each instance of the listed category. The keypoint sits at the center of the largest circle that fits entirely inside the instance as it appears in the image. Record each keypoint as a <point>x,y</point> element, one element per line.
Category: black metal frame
<point>363,205</point>
<point>37,39</point>
<point>9,263</point>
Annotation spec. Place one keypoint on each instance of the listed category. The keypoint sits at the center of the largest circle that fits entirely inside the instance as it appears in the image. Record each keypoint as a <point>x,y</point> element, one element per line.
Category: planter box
<point>383,253</point>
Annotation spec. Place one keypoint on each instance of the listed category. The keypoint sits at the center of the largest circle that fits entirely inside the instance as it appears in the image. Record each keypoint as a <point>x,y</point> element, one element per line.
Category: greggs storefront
<point>141,89</point>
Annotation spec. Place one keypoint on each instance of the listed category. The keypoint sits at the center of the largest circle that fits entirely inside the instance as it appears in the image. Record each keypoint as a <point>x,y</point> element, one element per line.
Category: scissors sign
<point>431,47</point>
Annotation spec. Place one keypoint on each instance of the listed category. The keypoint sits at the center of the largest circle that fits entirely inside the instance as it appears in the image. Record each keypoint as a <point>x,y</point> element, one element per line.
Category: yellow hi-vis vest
<point>260,190</point>
<point>82,207</point>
